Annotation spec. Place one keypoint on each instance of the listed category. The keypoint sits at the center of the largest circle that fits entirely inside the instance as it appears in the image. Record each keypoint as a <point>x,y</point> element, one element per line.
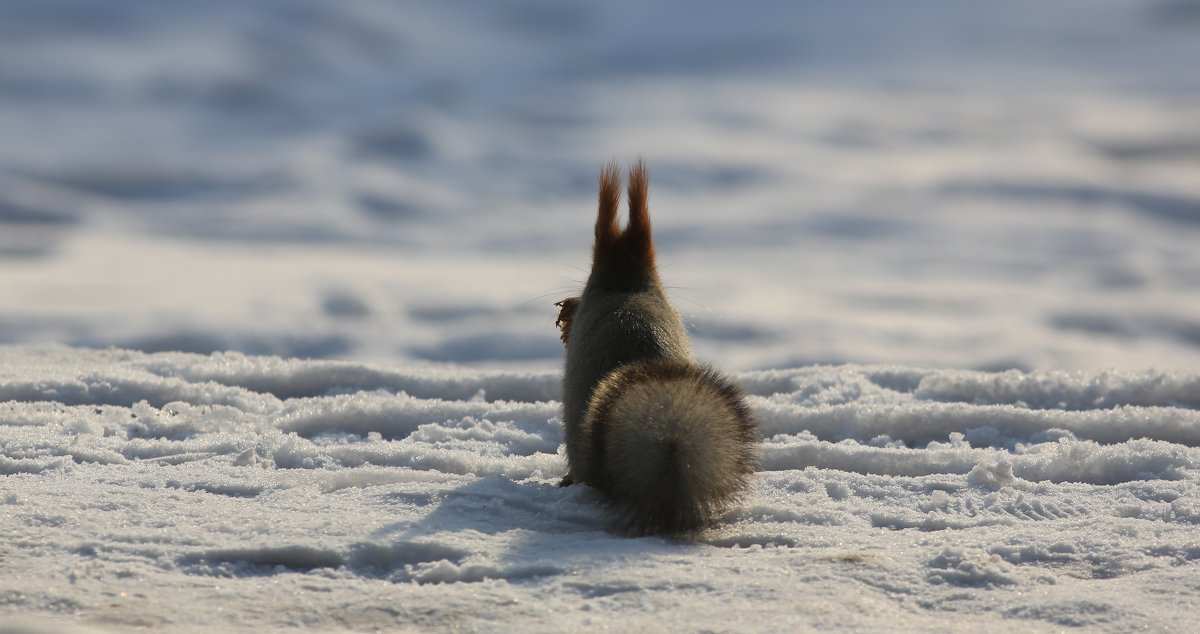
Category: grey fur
<point>610,330</point>
<point>670,442</point>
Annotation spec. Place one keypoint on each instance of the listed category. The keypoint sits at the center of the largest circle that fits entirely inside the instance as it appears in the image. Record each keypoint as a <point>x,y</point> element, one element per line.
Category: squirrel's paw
<point>566,310</point>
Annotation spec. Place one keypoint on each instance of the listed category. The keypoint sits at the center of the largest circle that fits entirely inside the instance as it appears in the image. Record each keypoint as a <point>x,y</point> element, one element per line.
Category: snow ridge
<point>131,480</point>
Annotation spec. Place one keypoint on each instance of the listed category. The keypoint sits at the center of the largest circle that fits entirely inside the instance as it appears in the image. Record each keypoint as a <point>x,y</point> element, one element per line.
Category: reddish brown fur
<point>639,211</point>
<point>607,228</point>
<point>623,258</point>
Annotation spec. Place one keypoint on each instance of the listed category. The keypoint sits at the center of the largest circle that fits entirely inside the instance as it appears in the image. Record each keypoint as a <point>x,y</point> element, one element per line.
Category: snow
<point>941,184</point>
<point>277,344</point>
<point>200,493</point>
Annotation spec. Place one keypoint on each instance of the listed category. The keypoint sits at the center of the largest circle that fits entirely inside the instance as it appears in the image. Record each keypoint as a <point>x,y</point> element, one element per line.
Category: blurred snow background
<point>930,182</point>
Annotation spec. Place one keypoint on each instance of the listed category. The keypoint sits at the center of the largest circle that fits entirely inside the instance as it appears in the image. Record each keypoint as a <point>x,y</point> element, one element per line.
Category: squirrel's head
<point>623,259</point>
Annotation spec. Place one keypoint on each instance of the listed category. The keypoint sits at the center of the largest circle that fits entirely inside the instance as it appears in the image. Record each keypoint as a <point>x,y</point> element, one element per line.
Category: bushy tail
<point>674,444</point>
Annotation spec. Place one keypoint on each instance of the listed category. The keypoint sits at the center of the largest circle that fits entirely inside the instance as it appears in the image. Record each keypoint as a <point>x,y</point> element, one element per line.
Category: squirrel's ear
<point>607,229</point>
<point>639,209</point>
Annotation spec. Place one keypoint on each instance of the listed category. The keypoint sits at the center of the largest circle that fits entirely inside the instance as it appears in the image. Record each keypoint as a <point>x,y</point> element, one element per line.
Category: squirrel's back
<point>669,441</point>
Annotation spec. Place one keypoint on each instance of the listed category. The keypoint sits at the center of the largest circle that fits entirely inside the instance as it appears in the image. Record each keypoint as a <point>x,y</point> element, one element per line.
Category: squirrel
<point>668,441</point>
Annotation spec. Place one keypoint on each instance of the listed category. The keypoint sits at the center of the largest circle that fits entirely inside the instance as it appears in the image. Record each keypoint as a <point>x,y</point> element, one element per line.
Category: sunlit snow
<point>277,343</point>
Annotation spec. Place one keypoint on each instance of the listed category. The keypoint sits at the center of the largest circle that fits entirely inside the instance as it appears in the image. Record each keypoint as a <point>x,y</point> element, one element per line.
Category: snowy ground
<point>950,247</point>
<point>187,492</point>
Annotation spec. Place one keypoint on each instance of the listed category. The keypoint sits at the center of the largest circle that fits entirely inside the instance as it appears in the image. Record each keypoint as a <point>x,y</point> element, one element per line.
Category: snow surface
<point>182,492</point>
<point>949,247</point>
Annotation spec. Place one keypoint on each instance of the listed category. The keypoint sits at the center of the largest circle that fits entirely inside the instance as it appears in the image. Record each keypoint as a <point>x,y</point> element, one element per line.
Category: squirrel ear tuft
<point>607,229</point>
<point>639,212</point>
<point>639,208</point>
